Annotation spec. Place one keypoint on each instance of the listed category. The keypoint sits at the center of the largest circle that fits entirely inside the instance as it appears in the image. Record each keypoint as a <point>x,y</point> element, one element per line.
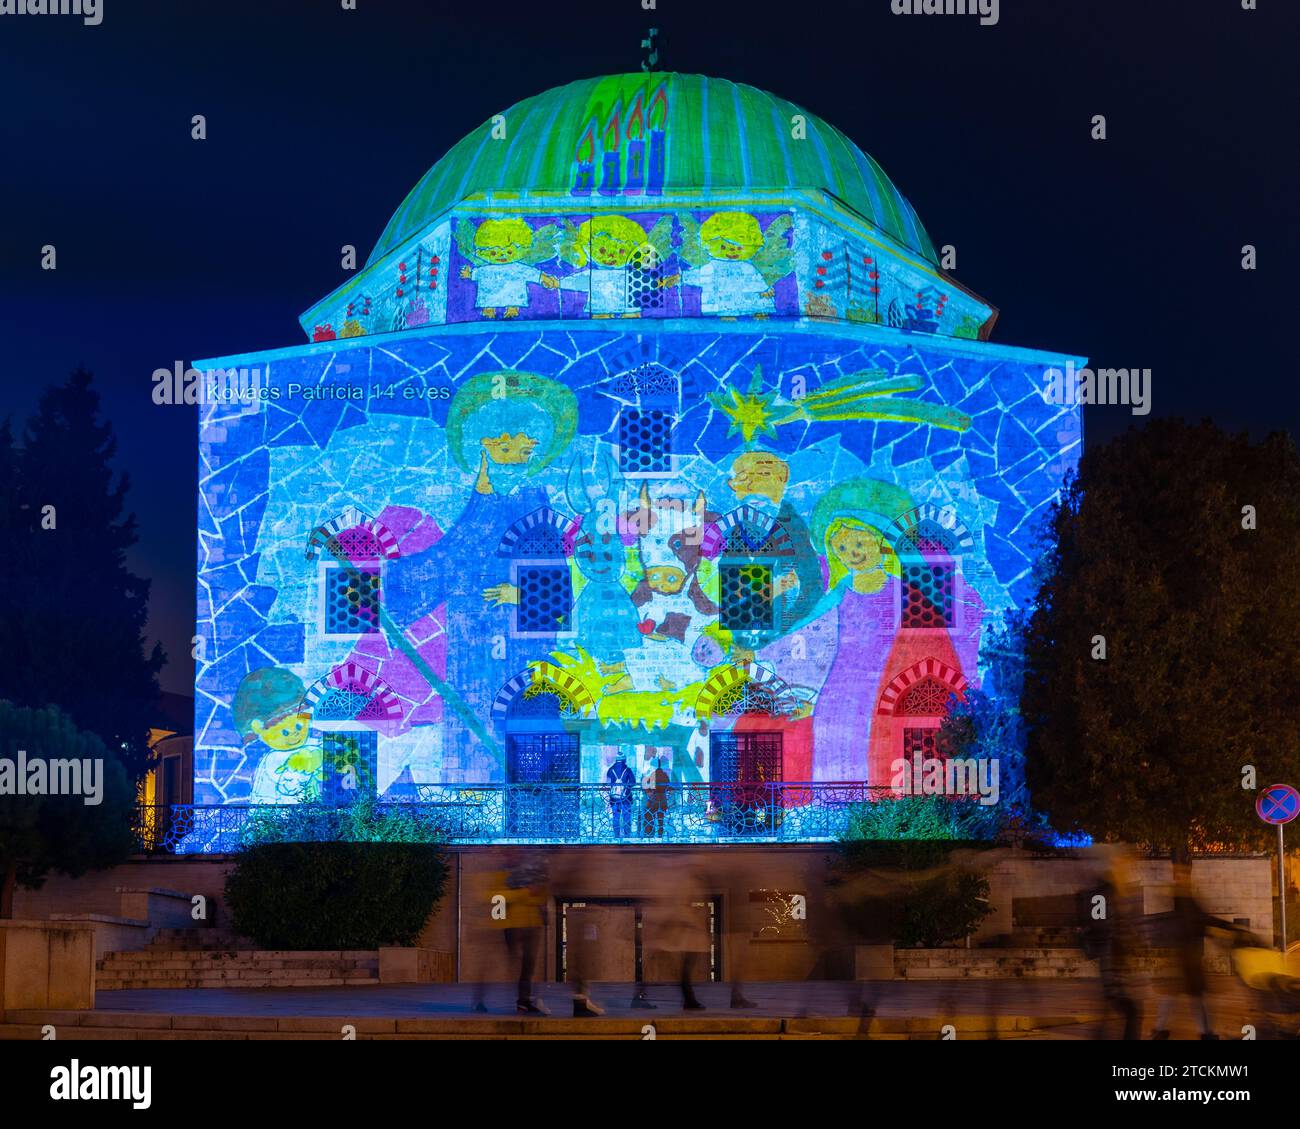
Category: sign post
<point>1279,804</point>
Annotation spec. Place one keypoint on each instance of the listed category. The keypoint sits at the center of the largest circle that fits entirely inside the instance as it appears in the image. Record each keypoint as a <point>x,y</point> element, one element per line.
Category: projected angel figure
<point>506,253</point>
<point>620,264</point>
<point>735,263</point>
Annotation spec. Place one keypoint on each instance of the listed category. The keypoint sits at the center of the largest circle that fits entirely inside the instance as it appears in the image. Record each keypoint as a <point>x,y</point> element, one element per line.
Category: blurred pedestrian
<point>1111,937</point>
<point>527,895</point>
<point>1190,924</point>
<point>681,931</point>
<point>582,938</point>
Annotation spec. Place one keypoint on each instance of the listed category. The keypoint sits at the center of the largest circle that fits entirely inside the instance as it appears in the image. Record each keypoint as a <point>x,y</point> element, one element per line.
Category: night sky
<point>320,120</point>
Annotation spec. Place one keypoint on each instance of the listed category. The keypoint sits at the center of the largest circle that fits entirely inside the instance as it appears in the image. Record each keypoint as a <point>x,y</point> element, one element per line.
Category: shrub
<point>895,878</point>
<point>342,895</point>
<point>365,820</point>
<point>357,876</point>
<point>913,832</point>
<point>941,909</point>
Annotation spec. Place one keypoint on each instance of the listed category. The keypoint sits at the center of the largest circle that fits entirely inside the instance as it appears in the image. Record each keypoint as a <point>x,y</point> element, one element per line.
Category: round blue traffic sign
<point>1278,803</point>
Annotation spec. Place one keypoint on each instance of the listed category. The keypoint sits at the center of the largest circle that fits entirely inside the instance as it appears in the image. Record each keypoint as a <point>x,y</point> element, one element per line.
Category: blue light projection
<point>724,480</point>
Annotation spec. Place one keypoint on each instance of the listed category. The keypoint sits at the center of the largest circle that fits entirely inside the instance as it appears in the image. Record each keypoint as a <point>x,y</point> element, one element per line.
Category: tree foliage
<point>72,632</point>
<point>356,895</point>
<point>39,833</point>
<point>1196,599</point>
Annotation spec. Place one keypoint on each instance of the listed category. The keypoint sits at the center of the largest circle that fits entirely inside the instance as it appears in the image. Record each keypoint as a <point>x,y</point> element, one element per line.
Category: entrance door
<point>669,929</point>
<point>599,940</point>
<point>622,940</point>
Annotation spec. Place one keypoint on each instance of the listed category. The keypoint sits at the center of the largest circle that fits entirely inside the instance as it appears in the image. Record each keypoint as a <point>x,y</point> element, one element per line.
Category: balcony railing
<point>523,813</point>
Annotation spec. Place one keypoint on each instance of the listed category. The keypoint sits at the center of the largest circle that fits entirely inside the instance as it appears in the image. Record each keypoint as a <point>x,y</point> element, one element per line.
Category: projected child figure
<point>269,710</point>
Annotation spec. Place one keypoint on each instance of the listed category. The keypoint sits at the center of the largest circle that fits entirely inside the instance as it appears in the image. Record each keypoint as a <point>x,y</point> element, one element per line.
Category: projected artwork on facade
<point>662,434</point>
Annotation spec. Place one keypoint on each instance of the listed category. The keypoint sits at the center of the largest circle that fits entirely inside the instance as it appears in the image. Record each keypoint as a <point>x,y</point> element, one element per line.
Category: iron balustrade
<point>528,813</point>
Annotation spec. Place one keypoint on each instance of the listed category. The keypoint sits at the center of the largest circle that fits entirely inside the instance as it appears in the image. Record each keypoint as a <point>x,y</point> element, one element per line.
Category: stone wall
<point>1238,889</point>
<point>762,935</point>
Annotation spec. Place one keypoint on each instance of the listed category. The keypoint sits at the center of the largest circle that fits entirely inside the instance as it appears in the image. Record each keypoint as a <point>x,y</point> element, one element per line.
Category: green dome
<point>715,135</point>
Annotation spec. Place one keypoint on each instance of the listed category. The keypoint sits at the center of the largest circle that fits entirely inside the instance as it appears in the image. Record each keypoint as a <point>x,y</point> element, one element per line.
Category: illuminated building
<point>651,424</point>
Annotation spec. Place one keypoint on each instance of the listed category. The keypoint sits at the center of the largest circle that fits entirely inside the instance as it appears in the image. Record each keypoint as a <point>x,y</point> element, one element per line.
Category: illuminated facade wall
<point>722,479</point>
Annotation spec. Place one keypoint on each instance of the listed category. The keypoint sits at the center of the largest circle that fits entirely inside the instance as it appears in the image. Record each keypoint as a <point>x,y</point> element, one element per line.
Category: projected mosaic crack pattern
<point>645,654</point>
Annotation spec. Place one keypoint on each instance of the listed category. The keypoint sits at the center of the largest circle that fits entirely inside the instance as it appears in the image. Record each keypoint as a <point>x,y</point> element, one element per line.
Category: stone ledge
<point>69,923</point>
<point>158,891</point>
<point>100,918</point>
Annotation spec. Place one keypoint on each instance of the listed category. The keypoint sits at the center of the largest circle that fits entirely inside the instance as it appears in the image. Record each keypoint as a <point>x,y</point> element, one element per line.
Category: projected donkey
<point>604,614</point>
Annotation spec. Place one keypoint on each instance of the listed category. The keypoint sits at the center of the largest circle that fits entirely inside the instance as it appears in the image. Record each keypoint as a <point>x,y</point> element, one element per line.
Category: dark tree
<point>64,833</point>
<point>1175,550</point>
<point>72,631</point>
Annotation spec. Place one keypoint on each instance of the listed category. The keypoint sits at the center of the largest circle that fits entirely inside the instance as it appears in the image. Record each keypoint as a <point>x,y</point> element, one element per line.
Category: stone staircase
<point>208,958</point>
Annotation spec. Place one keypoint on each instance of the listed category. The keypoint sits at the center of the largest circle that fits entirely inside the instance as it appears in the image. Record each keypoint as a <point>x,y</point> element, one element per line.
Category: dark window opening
<point>545,599</point>
<point>644,441</point>
<point>746,598</point>
<point>351,601</point>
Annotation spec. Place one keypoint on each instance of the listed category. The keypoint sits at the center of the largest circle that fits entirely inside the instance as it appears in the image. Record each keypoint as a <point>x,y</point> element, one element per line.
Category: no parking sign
<point>1278,803</point>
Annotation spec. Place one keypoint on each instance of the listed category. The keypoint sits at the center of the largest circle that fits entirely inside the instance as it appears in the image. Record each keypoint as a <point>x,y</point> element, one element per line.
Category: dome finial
<point>652,51</point>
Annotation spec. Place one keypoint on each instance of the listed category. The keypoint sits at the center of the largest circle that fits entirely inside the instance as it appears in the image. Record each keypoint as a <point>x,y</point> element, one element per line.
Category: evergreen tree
<point>72,631</point>
<point>1161,657</point>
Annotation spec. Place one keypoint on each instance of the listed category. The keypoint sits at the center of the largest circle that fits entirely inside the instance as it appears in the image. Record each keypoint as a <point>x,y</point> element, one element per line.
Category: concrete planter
<point>416,966</point>
<point>874,962</point>
<point>46,964</point>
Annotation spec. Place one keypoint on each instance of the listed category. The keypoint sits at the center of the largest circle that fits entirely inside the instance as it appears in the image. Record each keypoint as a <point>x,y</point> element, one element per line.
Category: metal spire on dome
<point>652,51</point>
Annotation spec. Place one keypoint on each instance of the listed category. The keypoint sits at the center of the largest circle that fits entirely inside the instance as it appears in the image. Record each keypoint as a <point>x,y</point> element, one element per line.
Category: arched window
<point>929,542</point>
<point>644,431</point>
<point>920,697</point>
<point>539,572</point>
<point>351,572</point>
<point>754,548</point>
<point>543,755</point>
<point>346,707</point>
<point>927,698</point>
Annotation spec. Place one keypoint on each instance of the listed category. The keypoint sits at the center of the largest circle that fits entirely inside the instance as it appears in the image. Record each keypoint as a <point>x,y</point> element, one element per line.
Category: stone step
<point>117,968</point>
<point>155,983</point>
<point>140,1025</point>
<point>197,940</point>
<point>241,978</point>
<point>148,954</point>
<point>231,975</point>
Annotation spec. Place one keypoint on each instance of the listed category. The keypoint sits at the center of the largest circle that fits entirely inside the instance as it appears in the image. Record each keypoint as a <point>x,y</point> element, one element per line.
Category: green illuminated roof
<point>716,135</point>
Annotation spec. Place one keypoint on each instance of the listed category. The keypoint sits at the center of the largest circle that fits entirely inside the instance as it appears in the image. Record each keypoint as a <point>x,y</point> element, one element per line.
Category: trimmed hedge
<point>335,895</point>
